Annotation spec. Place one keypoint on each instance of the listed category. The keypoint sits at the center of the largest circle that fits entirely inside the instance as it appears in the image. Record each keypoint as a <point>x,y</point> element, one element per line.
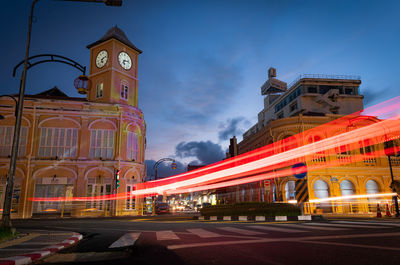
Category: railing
<point>346,159</point>
<point>318,158</point>
<point>338,77</point>
<point>395,161</point>
<point>369,160</point>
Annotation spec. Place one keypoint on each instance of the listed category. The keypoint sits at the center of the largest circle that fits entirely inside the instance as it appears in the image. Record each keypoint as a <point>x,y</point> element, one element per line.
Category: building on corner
<point>74,147</point>
<point>310,101</point>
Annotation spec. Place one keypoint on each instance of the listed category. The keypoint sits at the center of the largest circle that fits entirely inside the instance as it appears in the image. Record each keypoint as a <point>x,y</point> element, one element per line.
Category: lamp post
<point>173,166</point>
<point>6,220</point>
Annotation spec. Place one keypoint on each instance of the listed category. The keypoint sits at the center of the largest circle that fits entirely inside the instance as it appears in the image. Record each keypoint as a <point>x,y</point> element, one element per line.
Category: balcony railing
<point>322,76</point>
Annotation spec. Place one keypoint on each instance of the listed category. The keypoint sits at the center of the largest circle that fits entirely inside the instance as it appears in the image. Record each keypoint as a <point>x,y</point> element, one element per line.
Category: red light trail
<point>273,160</point>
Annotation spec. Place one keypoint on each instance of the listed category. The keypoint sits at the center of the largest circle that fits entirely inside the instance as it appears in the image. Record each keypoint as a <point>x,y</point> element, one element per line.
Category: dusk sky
<point>203,62</point>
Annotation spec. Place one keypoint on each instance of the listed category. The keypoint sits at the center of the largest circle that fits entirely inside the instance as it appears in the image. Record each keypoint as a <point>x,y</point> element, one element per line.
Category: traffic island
<point>255,211</point>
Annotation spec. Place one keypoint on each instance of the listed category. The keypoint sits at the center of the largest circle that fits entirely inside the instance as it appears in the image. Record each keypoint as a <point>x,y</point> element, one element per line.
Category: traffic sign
<point>299,170</point>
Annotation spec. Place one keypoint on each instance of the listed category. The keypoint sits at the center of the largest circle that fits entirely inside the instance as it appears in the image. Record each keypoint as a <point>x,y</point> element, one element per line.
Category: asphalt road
<point>155,240</point>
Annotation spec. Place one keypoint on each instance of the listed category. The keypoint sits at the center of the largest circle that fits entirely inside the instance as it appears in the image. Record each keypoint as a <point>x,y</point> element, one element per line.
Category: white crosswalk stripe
<point>367,223</point>
<point>241,231</point>
<point>128,239</point>
<point>345,225</point>
<point>166,235</point>
<point>203,233</point>
<point>314,227</point>
<point>277,229</point>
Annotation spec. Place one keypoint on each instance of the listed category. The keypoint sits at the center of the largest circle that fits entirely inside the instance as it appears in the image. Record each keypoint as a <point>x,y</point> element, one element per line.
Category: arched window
<point>290,190</point>
<point>321,189</point>
<point>6,139</point>
<point>133,146</point>
<point>346,188</point>
<point>372,187</point>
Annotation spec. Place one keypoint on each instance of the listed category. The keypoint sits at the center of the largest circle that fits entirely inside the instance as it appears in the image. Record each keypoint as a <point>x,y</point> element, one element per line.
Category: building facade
<point>75,147</point>
<point>310,101</point>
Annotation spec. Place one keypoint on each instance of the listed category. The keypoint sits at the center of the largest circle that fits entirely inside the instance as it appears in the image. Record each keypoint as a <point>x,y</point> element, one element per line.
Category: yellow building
<point>73,147</point>
<point>310,101</point>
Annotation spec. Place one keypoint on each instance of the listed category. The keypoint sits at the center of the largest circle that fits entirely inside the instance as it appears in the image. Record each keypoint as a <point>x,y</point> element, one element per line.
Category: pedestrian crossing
<point>256,231</point>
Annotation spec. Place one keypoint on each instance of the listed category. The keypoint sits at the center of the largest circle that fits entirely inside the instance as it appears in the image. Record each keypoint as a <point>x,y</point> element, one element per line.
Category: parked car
<point>162,207</point>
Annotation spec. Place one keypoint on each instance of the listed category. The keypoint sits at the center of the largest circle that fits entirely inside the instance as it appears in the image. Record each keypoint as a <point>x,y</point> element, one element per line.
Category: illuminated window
<point>124,91</point>
<point>99,90</point>
<point>6,139</point>
<point>290,190</point>
<point>130,200</point>
<point>132,146</point>
<point>101,144</point>
<point>58,142</point>
<point>98,189</point>
<point>321,189</point>
<point>347,188</point>
<point>372,187</point>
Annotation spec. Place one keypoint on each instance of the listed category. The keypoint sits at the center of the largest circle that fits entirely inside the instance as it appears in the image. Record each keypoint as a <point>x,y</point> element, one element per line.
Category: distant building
<point>309,101</point>
<point>73,147</point>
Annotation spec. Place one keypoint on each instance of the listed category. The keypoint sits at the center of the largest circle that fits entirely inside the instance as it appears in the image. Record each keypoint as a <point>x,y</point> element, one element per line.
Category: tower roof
<point>118,34</point>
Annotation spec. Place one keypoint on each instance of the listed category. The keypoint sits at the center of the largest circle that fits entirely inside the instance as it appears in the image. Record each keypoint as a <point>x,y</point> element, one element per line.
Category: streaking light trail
<point>349,197</point>
<point>274,160</point>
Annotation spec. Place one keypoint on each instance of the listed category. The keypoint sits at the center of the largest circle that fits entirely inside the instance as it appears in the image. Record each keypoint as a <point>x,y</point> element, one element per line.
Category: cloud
<point>191,95</point>
<point>164,169</point>
<point>371,95</point>
<point>231,127</point>
<point>205,152</point>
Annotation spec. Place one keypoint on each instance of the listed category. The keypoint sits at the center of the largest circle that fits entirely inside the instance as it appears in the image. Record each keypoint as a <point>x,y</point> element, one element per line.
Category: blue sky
<point>203,62</point>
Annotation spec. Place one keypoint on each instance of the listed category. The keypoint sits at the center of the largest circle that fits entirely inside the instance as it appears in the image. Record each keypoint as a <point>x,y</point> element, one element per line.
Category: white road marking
<point>128,239</point>
<point>278,229</point>
<point>349,245</point>
<point>344,225</point>
<point>368,223</point>
<point>203,233</point>
<point>166,235</point>
<point>290,239</point>
<point>314,227</point>
<point>240,231</point>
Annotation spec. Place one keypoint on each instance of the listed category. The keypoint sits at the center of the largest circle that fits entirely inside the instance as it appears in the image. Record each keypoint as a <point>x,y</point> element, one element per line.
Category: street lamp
<point>16,105</point>
<point>6,220</point>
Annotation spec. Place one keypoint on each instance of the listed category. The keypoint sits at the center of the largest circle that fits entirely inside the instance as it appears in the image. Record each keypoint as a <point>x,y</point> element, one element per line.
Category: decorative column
<point>79,191</point>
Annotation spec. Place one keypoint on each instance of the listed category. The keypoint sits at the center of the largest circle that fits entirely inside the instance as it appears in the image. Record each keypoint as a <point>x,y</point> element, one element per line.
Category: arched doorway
<point>372,187</point>
<point>321,191</point>
<point>347,189</point>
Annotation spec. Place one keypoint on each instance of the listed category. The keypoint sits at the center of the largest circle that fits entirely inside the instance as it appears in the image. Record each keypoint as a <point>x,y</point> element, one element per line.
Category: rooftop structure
<point>309,95</point>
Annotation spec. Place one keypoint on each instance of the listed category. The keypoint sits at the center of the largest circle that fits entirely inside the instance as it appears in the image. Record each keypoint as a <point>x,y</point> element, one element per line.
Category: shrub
<point>252,209</point>
<point>7,233</point>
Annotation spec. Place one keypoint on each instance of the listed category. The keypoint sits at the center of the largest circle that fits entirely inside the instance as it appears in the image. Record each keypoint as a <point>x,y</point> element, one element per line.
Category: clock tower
<point>114,69</point>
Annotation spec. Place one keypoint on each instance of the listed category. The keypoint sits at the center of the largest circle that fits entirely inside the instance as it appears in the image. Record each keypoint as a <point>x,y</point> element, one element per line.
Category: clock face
<point>101,58</point>
<point>124,60</point>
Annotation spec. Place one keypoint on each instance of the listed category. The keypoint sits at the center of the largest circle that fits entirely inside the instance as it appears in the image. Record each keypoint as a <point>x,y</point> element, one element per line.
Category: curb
<point>260,218</point>
<point>46,251</point>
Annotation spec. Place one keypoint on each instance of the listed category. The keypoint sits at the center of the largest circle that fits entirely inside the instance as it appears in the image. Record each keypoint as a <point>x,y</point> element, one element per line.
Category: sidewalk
<point>34,245</point>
